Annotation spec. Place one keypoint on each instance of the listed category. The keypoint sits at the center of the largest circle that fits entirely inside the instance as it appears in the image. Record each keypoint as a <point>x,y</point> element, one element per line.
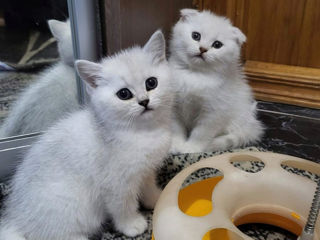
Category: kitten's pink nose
<point>203,50</point>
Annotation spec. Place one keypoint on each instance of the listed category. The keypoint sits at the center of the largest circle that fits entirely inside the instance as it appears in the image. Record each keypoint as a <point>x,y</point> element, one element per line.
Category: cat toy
<point>213,208</point>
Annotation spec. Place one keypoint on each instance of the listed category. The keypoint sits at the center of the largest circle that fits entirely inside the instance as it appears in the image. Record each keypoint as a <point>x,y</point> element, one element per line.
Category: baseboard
<point>285,84</point>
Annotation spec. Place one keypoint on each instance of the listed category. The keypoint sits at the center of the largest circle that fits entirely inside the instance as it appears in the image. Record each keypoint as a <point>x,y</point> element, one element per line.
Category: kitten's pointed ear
<point>58,28</point>
<point>88,71</point>
<point>187,12</point>
<point>156,46</point>
<point>240,37</point>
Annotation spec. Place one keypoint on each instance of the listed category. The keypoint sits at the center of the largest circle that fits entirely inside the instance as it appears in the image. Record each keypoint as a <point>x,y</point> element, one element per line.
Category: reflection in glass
<point>37,79</point>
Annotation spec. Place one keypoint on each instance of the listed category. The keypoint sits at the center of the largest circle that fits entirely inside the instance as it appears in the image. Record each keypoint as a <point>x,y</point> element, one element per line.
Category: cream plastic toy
<point>212,208</point>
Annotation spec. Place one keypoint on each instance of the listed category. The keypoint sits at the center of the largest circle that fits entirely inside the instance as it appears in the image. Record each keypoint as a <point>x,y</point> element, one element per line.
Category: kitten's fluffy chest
<point>189,109</point>
<point>107,153</point>
<point>142,139</point>
<point>196,91</point>
<point>196,83</point>
<point>209,88</point>
<point>203,93</point>
<point>146,147</point>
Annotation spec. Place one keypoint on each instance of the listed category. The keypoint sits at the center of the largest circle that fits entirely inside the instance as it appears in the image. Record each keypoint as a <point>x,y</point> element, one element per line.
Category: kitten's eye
<point>124,94</point>
<point>217,44</point>
<point>151,83</point>
<point>196,36</point>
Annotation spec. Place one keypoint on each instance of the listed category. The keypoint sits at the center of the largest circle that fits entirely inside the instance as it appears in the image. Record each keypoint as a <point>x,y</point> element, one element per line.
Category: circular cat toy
<point>214,207</point>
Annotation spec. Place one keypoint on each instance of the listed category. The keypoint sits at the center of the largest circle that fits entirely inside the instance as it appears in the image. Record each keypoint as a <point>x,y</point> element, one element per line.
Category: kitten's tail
<point>10,233</point>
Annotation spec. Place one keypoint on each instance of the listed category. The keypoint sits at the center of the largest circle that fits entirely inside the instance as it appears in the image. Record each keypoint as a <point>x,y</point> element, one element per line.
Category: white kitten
<point>101,159</point>
<point>215,109</point>
<point>52,95</point>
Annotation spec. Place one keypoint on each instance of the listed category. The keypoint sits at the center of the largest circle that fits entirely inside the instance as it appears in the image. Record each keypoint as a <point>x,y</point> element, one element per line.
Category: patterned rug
<point>174,165</point>
<point>23,54</point>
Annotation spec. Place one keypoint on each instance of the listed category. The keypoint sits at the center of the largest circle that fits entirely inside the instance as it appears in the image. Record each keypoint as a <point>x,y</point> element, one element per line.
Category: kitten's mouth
<point>199,56</point>
<point>146,110</point>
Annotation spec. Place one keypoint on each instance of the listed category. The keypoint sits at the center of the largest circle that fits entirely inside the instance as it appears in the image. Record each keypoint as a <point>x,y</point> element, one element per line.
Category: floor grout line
<point>288,114</point>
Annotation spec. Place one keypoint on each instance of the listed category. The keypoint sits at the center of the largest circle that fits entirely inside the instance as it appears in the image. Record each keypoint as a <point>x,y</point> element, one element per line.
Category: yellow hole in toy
<point>271,219</point>
<point>219,233</point>
<point>195,199</point>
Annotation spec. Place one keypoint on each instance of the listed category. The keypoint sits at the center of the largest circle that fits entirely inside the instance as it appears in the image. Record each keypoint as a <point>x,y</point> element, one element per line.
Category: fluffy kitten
<point>215,108</point>
<point>52,95</point>
<point>101,159</point>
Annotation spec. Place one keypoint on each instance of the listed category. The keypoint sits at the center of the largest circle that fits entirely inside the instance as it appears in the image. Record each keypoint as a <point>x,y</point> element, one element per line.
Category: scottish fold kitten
<point>100,160</point>
<point>52,95</point>
<point>215,108</point>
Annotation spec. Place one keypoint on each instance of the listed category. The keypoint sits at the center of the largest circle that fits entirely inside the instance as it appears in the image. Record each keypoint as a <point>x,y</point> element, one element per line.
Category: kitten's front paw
<point>188,147</point>
<point>177,148</point>
<point>177,145</point>
<point>221,143</point>
<point>151,197</point>
<point>133,226</point>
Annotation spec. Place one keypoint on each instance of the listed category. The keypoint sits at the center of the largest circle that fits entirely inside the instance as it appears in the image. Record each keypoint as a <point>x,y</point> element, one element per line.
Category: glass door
<point>38,85</point>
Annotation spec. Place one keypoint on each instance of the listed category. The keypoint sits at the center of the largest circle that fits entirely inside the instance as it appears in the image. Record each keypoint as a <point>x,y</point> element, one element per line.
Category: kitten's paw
<point>133,226</point>
<point>177,145</point>
<point>178,148</point>
<point>190,147</point>
<point>222,143</point>
<point>151,197</point>
<point>174,150</point>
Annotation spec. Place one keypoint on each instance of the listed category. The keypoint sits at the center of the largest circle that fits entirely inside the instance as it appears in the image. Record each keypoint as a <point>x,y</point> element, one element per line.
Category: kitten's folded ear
<point>240,37</point>
<point>156,46</point>
<point>187,12</point>
<point>88,71</point>
<point>58,28</point>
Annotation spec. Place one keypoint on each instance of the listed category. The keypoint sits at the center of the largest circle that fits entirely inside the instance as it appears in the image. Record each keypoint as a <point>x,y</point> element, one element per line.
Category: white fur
<point>62,33</point>
<point>215,108</point>
<point>53,94</point>
<point>99,160</point>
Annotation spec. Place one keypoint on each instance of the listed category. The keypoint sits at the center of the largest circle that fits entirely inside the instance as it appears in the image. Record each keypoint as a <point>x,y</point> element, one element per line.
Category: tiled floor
<point>291,130</point>
<point>290,109</point>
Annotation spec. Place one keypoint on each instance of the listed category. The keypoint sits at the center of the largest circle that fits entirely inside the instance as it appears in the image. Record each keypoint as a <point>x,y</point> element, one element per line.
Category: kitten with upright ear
<point>58,28</point>
<point>100,161</point>
<point>88,71</point>
<point>92,72</point>
<point>157,47</point>
<point>215,109</point>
